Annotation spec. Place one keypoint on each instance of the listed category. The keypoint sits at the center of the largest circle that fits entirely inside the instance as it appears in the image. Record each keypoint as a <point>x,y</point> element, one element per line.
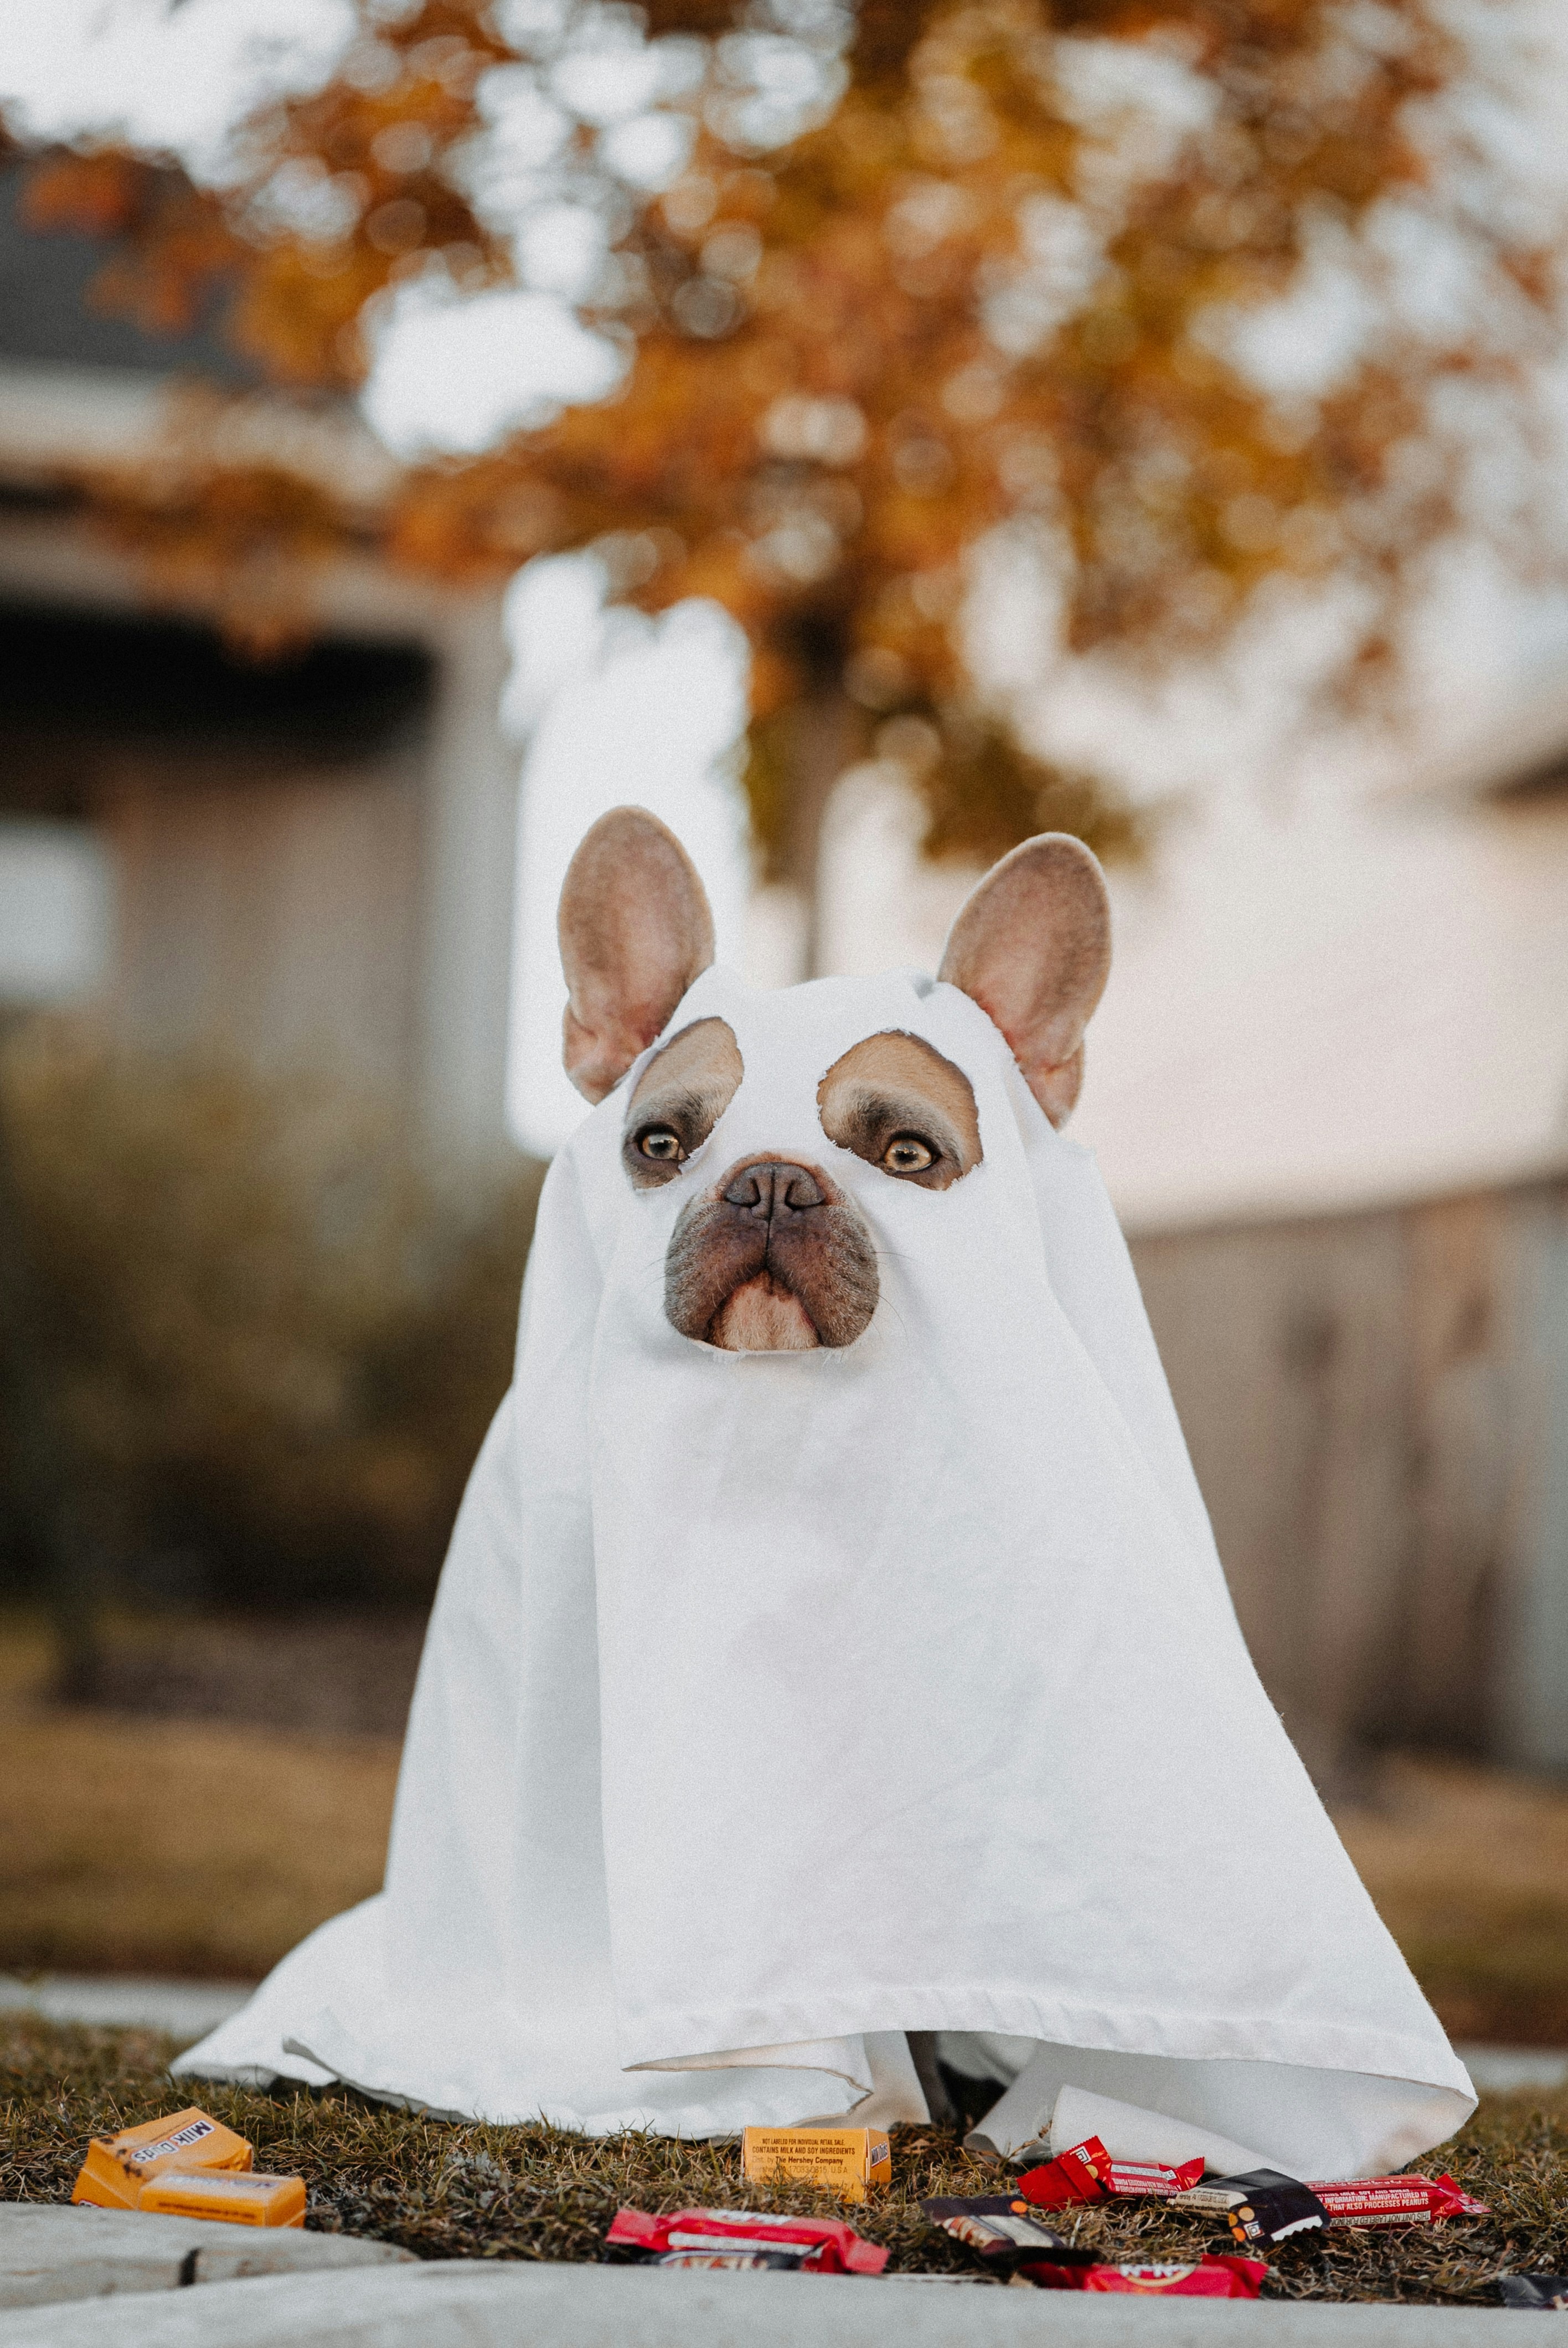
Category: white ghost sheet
<point>776,1705</point>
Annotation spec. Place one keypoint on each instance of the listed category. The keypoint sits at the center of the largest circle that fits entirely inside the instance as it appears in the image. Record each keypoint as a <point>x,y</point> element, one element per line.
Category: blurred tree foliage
<point>271,1349</point>
<point>909,278</point>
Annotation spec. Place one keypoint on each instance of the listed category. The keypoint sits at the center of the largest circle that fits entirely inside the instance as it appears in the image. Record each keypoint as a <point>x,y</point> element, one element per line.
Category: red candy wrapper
<point>1457,2202</point>
<point>1396,2200</point>
<point>830,2246</point>
<point>1206,2277</point>
<point>1089,2173</point>
<point>1082,2174</point>
<point>1151,2179</point>
<point>732,2261</point>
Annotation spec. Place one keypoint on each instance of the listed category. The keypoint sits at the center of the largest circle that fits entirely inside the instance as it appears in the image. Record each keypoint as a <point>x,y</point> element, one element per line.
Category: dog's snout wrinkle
<point>772,1259</point>
<point>774,1188</point>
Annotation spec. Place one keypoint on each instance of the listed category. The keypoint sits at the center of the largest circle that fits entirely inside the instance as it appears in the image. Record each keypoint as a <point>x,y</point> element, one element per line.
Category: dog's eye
<point>662,1143</point>
<point>907,1154</point>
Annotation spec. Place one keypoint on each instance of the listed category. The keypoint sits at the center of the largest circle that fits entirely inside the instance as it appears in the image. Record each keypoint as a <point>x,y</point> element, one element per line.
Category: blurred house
<point>1329,1092</point>
<point>311,858</point>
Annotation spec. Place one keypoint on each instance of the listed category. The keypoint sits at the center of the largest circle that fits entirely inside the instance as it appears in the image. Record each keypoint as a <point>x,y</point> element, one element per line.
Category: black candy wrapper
<point>1262,2206</point>
<point>1533,2290</point>
<point>1000,2226</point>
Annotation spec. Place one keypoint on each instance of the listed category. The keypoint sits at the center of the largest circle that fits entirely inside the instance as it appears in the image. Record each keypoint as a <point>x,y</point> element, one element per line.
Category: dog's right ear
<point>635,931</point>
<point>1032,947</point>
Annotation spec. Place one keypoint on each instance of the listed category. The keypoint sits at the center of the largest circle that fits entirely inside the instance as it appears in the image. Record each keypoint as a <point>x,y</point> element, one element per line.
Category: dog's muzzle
<point>772,1259</point>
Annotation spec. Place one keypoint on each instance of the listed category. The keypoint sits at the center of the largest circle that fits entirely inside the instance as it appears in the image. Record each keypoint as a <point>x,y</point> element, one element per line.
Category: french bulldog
<point>837,1408</point>
<point>772,1256</point>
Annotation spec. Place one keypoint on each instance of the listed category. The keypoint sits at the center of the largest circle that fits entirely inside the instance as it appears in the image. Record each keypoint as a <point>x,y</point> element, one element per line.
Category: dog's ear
<point>635,931</point>
<point>1032,947</point>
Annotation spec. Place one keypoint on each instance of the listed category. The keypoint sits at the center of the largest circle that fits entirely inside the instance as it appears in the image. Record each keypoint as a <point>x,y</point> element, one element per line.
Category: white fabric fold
<point>1129,2133</point>
<point>775,1702</point>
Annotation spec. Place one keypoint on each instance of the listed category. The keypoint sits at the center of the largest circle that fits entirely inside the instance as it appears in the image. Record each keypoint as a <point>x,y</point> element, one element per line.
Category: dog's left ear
<point>1032,947</point>
<point>635,931</point>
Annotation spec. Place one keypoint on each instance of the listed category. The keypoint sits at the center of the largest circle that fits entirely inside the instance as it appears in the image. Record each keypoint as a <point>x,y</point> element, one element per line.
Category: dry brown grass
<point>449,2190</point>
<point>178,1846</point>
<point>1469,1867</point>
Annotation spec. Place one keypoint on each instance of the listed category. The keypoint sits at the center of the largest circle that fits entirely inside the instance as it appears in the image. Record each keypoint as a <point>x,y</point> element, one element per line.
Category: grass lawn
<point>445,2191</point>
<point>202,1849</point>
<point>180,1847</point>
<point>1469,1867</point>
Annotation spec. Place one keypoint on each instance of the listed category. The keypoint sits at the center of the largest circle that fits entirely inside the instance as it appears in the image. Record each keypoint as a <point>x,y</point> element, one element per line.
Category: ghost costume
<point>776,1705</point>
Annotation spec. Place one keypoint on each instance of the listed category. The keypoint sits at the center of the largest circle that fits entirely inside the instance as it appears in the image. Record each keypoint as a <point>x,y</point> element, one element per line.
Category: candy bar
<point>1153,2180</point>
<point>1396,2200</point>
<point>1081,2174</point>
<point>730,2261</point>
<point>1263,2205</point>
<point>1376,2201</point>
<point>116,2166</point>
<point>239,2197</point>
<point>999,2226</point>
<point>828,2245</point>
<point>1206,2277</point>
<point>1088,2173</point>
<point>845,2160</point>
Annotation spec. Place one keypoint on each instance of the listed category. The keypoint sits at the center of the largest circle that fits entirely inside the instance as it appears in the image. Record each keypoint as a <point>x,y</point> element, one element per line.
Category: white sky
<point>164,77</point>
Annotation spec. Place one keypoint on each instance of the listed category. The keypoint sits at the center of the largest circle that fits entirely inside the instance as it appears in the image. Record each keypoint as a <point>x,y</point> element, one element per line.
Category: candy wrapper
<point>1089,2173</point>
<point>845,2160</point>
<point>1396,2200</point>
<point>1001,2227</point>
<point>1082,2174</point>
<point>739,2262</point>
<point>1457,2202</point>
<point>1533,2290</point>
<point>1153,2180</point>
<point>1206,2278</point>
<point>238,2199</point>
<point>1263,2205</point>
<point>117,2166</point>
<point>825,2245</point>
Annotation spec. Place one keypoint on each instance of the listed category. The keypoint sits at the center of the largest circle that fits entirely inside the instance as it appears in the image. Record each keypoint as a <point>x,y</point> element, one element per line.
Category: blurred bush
<point>274,1341</point>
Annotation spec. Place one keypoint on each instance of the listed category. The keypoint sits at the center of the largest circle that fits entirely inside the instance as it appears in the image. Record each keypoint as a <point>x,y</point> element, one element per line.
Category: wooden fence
<point>1377,1410</point>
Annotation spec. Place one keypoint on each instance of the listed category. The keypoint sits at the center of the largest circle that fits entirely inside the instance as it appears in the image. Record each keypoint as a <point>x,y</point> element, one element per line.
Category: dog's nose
<point>773,1189</point>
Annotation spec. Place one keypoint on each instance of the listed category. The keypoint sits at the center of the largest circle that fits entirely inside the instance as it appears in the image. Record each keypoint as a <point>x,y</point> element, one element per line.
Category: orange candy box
<point>188,2166</point>
<point>117,2166</point>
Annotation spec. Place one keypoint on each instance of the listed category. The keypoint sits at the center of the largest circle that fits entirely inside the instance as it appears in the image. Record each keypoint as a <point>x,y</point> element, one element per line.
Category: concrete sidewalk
<point>186,2010</point>
<point>51,2252</point>
<point>189,2009</point>
<point>484,2304</point>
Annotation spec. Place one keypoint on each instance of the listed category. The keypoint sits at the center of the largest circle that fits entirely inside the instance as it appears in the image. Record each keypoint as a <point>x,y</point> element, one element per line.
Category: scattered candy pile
<point>1010,2240</point>
<point>192,2166</point>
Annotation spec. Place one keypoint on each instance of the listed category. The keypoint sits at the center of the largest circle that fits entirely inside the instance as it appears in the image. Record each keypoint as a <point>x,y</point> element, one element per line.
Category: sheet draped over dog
<point>776,1705</point>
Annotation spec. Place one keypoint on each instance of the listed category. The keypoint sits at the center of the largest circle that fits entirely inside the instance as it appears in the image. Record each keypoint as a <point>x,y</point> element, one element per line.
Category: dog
<point>772,1255</point>
<point>831,1588</point>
